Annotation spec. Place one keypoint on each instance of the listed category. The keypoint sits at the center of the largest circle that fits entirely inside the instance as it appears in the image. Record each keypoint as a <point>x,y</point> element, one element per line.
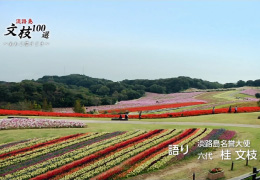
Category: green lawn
<point>239,118</point>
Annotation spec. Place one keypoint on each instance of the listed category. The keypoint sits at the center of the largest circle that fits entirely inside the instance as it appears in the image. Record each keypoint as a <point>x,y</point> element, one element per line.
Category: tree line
<point>63,91</point>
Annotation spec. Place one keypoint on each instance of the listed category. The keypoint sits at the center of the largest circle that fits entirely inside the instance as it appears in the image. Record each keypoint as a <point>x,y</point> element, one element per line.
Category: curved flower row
<point>39,145</point>
<point>69,157</point>
<point>227,135</point>
<point>196,113</point>
<point>115,158</point>
<point>96,160</point>
<point>5,145</point>
<point>17,158</point>
<point>132,160</point>
<point>146,116</point>
<point>25,144</point>
<point>213,135</point>
<point>148,100</point>
<point>50,155</point>
<point>94,156</point>
<point>163,158</point>
<point>154,107</point>
<point>115,155</point>
<point>139,167</point>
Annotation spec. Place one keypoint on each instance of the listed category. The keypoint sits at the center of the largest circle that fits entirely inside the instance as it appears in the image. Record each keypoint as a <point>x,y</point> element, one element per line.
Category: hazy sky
<point>116,40</point>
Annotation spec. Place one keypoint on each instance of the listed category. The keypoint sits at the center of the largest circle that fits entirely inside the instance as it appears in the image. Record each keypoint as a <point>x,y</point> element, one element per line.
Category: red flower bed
<point>145,116</point>
<point>133,160</point>
<point>195,113</point>
<point>37,146</point>
<point>98,154</point>
<point>154,107</point>
<point>40,113</point>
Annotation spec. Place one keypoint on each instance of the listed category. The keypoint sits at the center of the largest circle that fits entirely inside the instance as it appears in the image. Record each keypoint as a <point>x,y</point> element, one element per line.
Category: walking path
<point>162,123</point>
<point>165,123</point>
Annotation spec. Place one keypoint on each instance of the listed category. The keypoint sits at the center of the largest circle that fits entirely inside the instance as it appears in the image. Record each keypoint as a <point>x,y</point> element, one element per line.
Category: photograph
<point>129,89</point>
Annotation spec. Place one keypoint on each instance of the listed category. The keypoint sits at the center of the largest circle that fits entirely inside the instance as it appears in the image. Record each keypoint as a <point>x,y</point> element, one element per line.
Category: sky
<point>117,40</point>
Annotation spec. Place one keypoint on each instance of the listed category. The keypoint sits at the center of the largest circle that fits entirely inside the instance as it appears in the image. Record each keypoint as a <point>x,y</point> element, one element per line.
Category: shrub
<point>78,108</point>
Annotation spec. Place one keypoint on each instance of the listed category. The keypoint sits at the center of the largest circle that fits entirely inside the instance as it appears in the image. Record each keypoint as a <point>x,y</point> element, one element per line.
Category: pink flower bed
<point>18,123</point>
<point>251,92</point>
<point>152,99</point>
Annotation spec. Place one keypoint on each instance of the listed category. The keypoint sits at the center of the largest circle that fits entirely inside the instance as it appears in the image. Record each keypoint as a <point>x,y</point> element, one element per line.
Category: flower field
<point>19,123</point>
<point>148,101</point>
<point>250,92</point>
<point>105,155</point>
<point>152,99</point>
<point>160,103</point>
<point>4,112</point>
<point>154,107</point>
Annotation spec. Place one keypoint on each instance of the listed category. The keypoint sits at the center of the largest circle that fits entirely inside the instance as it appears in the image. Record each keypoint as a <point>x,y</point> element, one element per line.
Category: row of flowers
<point>5,145</point>
<point>24,144</point>
<point>146,116</point>
<point>20,123</point>
<point>144,164</point>
<point>60,160</point>
<point>40,157</point>
<point>115,157</point>
<point>198,112</point>
<point>163,158</point>
<point>131,161</point>
<point>104,155</point>
<point>154,107</point>
<point>157,159</point>
<point>148,100</point>
<point>93,156</point>
<point>215,134</point>
<point>19,157</point>
<point>43,144</point>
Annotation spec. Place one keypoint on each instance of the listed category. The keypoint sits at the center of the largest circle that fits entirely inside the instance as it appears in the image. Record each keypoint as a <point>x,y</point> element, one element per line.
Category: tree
<point>45,105</point>
<point>78,108</point>
<point>8,106</point>
<point>229,85</point>
<point>250,83</point>
<point>106,100</point>
<point>83,109</point>
<point>103,90</point>
<point>157,88</point>
<point>257,95</point>
<point>50,107</point>
<point>49,87</point>
<point>241,83</point>
<point>257,82</point>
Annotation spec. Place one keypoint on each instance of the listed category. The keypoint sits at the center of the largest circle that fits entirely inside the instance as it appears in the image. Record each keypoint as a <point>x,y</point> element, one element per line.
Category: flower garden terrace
<point>153,103</point>
<point>104,155</point>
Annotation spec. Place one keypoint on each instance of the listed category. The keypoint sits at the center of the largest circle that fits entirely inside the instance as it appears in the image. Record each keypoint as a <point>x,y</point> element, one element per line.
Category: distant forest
<point>63,91</point>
